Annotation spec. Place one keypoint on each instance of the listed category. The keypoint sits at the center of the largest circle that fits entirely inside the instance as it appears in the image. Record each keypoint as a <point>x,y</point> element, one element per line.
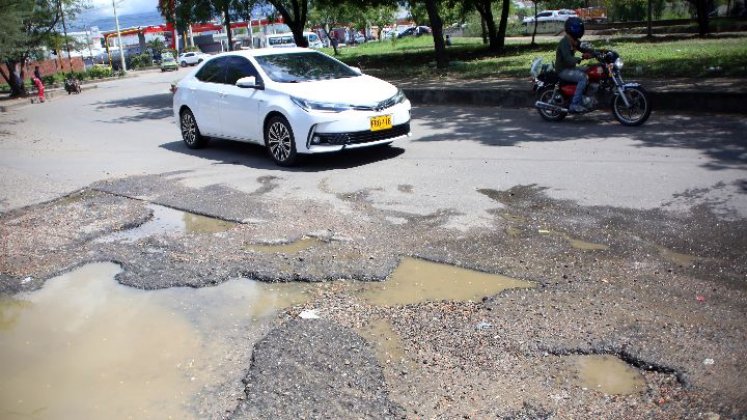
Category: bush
<point>49,80</point>
<point>99,71</point>
<point>141,61</point>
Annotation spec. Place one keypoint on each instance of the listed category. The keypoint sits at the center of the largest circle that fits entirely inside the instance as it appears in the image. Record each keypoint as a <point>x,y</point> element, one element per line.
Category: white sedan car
<point>192,58</point>
<point>292,100</point>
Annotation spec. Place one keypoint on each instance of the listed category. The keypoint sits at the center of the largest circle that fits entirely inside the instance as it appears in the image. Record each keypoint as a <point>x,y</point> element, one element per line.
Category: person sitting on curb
<point>566,62</point>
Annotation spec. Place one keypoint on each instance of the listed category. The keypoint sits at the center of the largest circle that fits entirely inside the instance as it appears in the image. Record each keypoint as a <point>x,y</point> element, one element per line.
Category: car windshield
<point>303,67</point>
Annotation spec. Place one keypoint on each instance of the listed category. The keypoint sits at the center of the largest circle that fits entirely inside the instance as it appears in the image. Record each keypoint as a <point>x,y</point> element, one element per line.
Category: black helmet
<point>574,27</point>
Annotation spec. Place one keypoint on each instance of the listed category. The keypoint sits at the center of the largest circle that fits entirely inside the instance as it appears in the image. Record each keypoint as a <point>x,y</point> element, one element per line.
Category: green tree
<point>183,13</point>
<point>28,26</point>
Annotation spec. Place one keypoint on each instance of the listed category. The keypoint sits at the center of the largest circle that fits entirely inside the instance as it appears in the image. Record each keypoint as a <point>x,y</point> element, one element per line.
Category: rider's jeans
<point>577,75</point>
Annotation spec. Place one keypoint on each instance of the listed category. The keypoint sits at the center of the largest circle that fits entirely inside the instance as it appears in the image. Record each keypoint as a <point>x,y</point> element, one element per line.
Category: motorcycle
<point>630,103</point>
<point>72,86</point>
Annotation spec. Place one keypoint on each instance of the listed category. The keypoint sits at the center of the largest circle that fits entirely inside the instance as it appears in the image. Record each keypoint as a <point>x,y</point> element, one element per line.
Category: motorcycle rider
<point>566,63</point>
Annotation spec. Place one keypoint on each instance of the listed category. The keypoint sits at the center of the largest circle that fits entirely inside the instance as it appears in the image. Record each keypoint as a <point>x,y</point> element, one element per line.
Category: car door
<point>207,93</point>
<point>241,107</point>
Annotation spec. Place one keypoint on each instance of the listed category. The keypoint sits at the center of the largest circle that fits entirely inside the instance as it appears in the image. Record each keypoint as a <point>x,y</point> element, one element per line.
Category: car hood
<point>361,90</point>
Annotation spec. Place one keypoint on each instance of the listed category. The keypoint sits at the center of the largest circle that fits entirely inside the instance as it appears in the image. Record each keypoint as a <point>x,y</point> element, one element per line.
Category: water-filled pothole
<point>168,221</point>
<point>576,243</point>
<point>85,346</point>
<point>684,260</point>
<point>417,280</point>
<point>607,374</point>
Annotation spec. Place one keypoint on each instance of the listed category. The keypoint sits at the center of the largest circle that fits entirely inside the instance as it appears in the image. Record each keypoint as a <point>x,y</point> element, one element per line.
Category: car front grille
<point>359,137</point>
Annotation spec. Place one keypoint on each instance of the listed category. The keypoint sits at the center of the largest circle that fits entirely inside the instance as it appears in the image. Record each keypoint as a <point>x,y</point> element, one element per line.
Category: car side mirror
<point>357,70</point>
<point>247,82</point>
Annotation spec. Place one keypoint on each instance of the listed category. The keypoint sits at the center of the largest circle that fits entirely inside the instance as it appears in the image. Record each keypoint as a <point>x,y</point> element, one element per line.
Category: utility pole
<point>64,32</point>
<point>119,38</point>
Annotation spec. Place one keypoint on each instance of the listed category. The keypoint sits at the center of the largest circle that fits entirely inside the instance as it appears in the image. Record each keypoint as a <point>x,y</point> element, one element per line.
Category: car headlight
<point>307,105</point>
<point>619,63</point>
<point>399,97</point>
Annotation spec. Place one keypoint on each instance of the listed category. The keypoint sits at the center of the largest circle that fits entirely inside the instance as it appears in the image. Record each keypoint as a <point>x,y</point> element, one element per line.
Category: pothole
<point>168,221</point>
<point>285,248</point>
<point>607,374</point>
<point>85,346</point>
<point>684,260</point>
<point>388,345</point>
<point>576,243</point>
<point>416,281</point>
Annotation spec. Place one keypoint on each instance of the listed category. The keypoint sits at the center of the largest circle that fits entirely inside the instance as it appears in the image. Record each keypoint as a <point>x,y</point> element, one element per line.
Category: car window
<point>303,67</point>
<point>280,40</point>
<point>212,71</point>
<point>238,67</point>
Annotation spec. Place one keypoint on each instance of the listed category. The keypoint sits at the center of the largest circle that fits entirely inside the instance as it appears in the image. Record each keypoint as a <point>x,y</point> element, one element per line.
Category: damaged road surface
<point>495,268</point>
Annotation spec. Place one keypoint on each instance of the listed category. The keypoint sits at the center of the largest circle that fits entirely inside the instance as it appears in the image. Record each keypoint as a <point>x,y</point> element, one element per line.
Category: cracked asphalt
<point>492,190</point>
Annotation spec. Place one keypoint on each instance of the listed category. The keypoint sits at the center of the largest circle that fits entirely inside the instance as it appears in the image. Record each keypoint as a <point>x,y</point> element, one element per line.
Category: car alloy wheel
<point>190,132</point>
<point>280,142</point>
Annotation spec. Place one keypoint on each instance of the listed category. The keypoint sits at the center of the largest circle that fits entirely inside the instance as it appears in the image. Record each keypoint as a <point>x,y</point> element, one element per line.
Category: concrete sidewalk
<point>723,95</point>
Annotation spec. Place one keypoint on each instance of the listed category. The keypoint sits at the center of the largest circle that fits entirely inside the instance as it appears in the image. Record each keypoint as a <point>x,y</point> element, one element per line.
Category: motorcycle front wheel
<point>638,111</point>
<point>546,95</point>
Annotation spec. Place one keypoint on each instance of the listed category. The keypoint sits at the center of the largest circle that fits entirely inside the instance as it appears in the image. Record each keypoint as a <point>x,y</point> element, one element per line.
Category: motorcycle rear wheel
<point>639,110</point>
<point>546,95</point>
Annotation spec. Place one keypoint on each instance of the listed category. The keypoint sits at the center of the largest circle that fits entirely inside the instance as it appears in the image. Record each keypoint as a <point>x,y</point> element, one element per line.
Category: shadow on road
<point>720,138</point>
<point>226,152</point>
<point>151,107</point>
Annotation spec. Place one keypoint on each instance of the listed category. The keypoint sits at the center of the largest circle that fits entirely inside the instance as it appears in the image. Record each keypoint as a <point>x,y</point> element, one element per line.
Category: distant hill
<point>125,21</point>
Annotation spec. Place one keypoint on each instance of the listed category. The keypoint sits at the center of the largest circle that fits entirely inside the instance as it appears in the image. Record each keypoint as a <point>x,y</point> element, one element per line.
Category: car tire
<point>280,142</point>
<point>190,131</point>
<point>184,64</point>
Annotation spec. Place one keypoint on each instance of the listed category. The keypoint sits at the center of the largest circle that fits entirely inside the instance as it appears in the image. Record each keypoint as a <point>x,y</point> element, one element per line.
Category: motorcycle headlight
<point>619,63</point>
<point>307,105</point>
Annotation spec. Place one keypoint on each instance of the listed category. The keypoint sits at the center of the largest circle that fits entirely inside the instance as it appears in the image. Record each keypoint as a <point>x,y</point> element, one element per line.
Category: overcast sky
<point>124,7</point>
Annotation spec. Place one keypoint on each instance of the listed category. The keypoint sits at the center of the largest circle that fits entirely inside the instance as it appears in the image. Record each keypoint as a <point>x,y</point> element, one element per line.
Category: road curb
<point>49,93</point>
<point>721,102</point>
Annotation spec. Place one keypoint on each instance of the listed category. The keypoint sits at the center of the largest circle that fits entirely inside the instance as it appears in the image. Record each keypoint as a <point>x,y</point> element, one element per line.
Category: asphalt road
<point>634,242</point>
<point>125,128</point>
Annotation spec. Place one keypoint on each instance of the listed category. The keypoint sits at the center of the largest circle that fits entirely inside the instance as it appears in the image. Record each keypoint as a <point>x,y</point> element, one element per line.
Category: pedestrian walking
<point>39,86</point>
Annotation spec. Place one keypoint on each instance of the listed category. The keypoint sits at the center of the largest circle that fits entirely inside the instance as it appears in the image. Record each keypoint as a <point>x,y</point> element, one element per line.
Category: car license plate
<point>382,122</point>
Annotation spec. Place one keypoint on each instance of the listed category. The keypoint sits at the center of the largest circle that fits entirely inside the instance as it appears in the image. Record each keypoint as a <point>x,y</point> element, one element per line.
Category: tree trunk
<point>486,13</point>
<point>484,30</point>
<point>227,20</point>
<point>702,8</point>
<point>534,34</point>
<point>297,21</point>
<point>501,40</point>
<point>649,29</point>
<point>437,26</point>
<point>14,78</point>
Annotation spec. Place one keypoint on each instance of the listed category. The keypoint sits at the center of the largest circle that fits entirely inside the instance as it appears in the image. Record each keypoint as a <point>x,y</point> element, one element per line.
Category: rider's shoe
<point>577,109</point>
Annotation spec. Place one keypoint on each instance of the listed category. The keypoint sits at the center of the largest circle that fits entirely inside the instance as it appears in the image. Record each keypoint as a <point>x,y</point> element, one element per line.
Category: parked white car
<point>551,15</point>
<point>192,58</point>
<point>291,100</point>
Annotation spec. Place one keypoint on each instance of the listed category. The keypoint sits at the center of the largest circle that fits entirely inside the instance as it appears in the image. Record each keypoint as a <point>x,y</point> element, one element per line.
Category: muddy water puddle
<point>168,221</point>
<point>606,374</point>
<point>85,346</point>
<point>416,281</point>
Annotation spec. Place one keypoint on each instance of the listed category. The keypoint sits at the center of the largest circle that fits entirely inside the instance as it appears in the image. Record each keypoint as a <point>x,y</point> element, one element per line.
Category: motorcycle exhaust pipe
<point>549,107</point>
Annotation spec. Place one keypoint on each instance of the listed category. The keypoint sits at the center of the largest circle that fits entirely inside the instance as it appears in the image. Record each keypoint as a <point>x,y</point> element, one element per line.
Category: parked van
<point>279,40</point>
<point>313,40</point>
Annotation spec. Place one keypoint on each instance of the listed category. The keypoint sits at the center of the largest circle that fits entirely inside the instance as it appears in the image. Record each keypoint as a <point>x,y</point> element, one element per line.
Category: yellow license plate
<point>382,122</point>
